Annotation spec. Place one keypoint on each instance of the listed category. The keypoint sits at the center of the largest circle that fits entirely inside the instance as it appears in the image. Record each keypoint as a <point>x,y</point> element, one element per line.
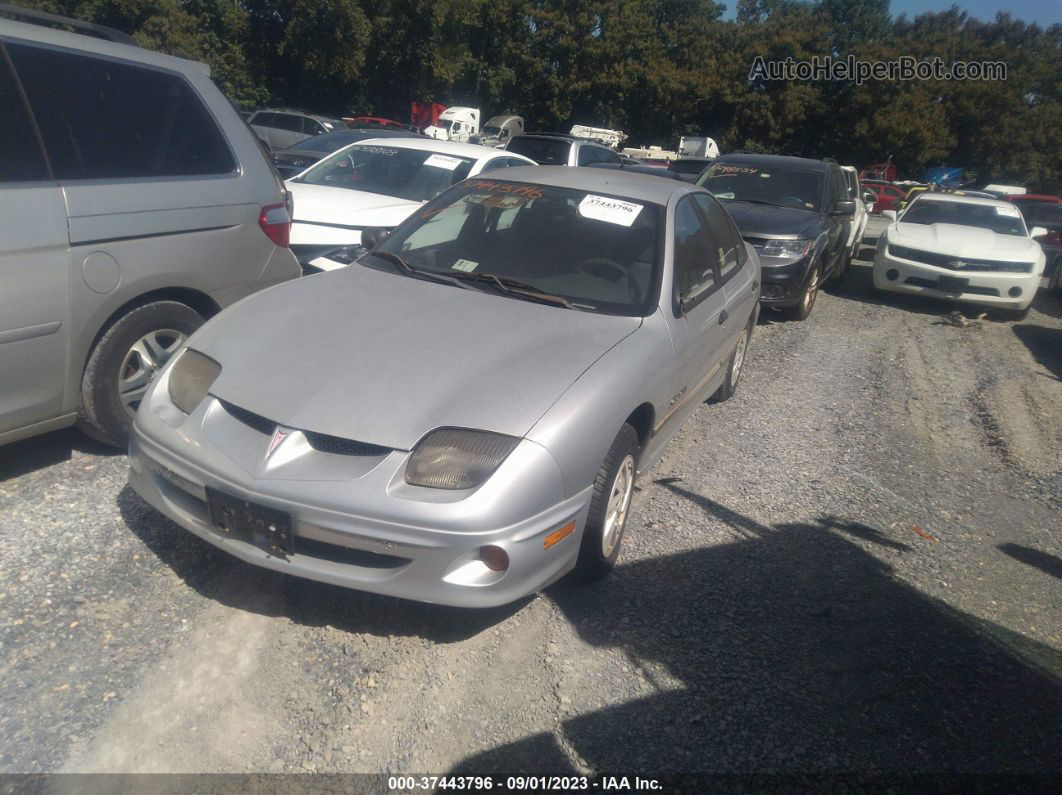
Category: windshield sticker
<point>505,187</point>
<point>465,265</point>
<point>500,202</point>
<point>443,161</point>
<point>724,171</point>
<point>376,150</point>
<point>1010,212</point>
<point>614,211</point>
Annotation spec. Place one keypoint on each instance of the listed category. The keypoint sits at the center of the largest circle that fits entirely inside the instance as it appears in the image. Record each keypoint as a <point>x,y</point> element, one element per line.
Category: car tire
<point>734,367</point>
<point>609,507</point>
<point>807,298</point>
<point>131,350</point>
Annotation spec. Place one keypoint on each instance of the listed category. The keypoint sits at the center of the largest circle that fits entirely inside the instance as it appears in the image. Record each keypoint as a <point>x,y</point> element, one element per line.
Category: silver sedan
<point>459,416</point>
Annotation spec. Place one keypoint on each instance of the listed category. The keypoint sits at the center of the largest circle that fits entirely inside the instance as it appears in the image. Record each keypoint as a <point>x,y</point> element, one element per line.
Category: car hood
<point>384,358</point>
<point>964,241</point>
<point>754,220</point>
<point>324,204</point>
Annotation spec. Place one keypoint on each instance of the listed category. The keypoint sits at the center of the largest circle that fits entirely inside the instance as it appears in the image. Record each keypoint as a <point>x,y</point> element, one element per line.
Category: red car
<point>363,122</point>
<point>888,195</point>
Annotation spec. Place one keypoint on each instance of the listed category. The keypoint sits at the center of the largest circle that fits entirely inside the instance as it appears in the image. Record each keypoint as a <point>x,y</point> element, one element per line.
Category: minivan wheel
<point>124,361</point>
<point>807,298</point>
<point>734,366</point>
<point>609,507</point>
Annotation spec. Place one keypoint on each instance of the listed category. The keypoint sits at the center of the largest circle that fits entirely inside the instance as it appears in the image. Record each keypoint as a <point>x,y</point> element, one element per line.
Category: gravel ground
<point>855,564</point>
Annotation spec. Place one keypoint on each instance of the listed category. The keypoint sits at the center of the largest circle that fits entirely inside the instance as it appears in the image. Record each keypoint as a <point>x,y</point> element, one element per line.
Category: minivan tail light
<point>275,221</point>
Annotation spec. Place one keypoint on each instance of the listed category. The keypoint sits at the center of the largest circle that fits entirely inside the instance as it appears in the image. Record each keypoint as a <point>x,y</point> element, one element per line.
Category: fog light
<point>1014,291</point>
<point>494,558</point>
<point>892,274</point>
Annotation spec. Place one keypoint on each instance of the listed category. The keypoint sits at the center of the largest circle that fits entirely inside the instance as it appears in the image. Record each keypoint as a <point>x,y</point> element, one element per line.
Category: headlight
<point>790,249</point>
<point>455,458</point>
<point>190,379</point>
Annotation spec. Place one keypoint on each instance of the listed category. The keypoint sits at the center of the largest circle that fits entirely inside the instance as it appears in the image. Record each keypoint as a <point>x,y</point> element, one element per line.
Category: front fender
<point>580,426</point>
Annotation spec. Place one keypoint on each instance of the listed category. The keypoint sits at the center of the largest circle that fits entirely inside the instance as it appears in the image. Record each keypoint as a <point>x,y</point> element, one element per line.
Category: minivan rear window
<point>105,119</point>
<point>544,151</point>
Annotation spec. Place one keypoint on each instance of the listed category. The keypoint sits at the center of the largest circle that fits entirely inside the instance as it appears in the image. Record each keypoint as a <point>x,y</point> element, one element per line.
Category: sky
<point>1043,12</point>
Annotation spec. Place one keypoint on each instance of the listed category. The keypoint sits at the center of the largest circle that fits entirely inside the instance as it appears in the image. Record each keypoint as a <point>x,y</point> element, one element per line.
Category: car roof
<point>775,160</point>
<point>40,34</point>
<point>932,196</point>
<point>474,151</point>
<point>641,187</point>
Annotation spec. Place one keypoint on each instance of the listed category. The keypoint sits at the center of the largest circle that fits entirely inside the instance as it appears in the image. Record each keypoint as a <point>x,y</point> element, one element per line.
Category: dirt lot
<point>854,564</point>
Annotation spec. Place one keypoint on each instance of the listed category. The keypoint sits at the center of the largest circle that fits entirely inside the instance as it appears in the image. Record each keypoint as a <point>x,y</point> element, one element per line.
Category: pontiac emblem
<point>278,437</point>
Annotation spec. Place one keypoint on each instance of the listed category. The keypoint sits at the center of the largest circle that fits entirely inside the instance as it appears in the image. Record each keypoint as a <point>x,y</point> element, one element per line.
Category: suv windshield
<point>775,184</point>
<point>601,253</point>
<point>1001,220</point>
<point>544,151</point>
<point>413,174</point>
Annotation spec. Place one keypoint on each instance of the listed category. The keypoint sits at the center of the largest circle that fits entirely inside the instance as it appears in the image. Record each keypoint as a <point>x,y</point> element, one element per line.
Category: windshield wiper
<point>520,289</point>
<point>760,201</point>
<point>408,269</point>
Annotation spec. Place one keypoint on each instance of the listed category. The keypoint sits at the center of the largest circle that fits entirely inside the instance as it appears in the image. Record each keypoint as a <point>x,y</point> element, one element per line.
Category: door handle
<point>723,317</point>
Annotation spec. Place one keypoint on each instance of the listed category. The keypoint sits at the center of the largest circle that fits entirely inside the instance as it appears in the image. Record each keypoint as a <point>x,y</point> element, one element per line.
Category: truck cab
<point>455,124</point>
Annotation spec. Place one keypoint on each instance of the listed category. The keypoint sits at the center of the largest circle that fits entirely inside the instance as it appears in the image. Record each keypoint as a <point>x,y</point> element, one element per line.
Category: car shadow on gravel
<point>229,581</point>
<point>797,651</point>
<point>38,452</point>
<point>1045,345</point>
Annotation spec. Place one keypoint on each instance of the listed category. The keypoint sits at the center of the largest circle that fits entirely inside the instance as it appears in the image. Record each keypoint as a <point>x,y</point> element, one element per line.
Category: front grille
<point>934,285</point>
<point>953,263</point>
<point>339,446</point>
<point>355,557</point>
<point>250,419</point>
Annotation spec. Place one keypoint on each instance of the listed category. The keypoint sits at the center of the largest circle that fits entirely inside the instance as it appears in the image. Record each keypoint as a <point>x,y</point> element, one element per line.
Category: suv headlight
<point>790,249</point>
<point>457,458</point>
<point>190,379</point>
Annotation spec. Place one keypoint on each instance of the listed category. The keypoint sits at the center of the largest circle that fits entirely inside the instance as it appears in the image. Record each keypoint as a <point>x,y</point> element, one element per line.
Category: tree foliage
<point>657,69</point>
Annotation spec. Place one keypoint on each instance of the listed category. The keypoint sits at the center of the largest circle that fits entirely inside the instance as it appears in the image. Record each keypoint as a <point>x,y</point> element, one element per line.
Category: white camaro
<point>378,184</point>
<point>961,248</point>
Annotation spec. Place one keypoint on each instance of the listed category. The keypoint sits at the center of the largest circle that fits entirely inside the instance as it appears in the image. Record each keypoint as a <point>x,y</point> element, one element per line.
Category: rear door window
<point>107,119</point>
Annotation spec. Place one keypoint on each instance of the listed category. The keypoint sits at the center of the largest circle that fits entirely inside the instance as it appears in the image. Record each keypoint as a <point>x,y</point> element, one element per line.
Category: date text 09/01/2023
<point>522,783</point>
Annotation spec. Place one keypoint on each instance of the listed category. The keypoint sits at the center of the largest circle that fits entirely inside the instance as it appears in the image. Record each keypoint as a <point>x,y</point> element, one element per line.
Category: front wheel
<point>123,363</point>
<point>807,298</point>
<point>609,507</point>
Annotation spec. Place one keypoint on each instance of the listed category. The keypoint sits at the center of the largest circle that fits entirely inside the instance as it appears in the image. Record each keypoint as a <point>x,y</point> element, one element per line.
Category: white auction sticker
<point>443,161</point>
<point>614,211</point>
<point>1010,212</point>
<point>465,265</point>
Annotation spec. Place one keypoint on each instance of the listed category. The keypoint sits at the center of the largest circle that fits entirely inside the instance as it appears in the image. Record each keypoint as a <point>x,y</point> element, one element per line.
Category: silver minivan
<point>134,203</point>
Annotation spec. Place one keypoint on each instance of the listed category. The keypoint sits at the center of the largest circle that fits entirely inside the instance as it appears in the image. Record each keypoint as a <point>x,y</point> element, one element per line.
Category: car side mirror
<point>869,197</point>
<point>371,238</point>
<point>844,207</point>
<point>1037,231</point>
<point>888,215</point>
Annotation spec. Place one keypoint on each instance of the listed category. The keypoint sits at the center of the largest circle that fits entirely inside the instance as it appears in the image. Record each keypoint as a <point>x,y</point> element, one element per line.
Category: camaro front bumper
<point>1005,290</point>
<point>356,523</point>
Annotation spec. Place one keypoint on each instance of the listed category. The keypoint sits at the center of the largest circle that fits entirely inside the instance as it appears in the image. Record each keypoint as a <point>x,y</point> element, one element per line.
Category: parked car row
<point>505,340</point>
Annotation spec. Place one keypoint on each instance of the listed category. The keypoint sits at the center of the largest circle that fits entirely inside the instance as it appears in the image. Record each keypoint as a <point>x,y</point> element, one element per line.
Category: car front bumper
<point>783,285</point>
<point>360,525</point>
<point>990,288</point>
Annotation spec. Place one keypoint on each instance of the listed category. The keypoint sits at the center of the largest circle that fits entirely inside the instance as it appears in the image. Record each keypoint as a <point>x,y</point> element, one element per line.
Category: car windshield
<point>544,151</point>
<point>600,253</point>
<point>749,182</point>
<point>1003,220</point>
<point>413,174</point>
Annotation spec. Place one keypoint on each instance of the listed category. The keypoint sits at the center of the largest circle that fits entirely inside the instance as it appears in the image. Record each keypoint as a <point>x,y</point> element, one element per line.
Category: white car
<point>961,248</point>
<point>862,212</point>
<point>377,184</point>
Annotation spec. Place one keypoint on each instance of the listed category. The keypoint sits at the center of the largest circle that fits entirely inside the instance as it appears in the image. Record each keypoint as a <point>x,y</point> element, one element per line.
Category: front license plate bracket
<point>266,528</point>
<point>952,284</point>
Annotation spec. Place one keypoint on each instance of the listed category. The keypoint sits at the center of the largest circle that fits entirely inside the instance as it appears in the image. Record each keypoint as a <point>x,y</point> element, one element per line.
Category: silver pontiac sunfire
<point>459,416</point>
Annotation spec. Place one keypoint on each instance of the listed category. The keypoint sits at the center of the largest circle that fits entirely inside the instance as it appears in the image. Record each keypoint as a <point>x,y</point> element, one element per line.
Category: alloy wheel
<point>141,363</point>
<point>619,502</point>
